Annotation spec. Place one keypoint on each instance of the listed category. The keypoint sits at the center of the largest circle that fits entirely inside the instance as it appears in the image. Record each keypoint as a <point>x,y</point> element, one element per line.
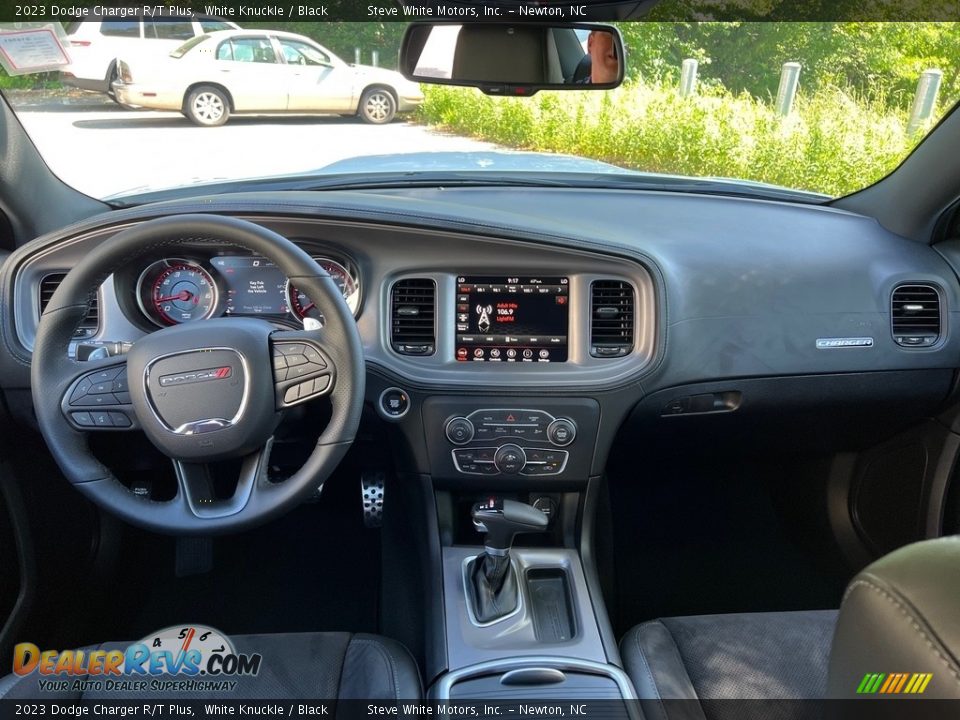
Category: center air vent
<point>611,318</point>
<point>413,316</point>
<point>90,324</point>
<point>915,315</point>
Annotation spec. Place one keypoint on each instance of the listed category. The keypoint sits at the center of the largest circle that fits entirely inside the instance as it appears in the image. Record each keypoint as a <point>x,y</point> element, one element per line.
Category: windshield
<point>824,108</point>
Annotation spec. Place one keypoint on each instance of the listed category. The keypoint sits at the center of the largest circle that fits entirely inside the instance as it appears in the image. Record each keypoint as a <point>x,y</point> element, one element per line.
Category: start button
<point>394,403</point>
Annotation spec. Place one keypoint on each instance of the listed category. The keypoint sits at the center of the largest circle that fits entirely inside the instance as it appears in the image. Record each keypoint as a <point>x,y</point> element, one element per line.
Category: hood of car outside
<point>453,161</point>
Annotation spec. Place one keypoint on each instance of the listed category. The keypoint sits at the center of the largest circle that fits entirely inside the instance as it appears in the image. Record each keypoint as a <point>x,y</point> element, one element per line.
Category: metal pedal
<point>371,491</point>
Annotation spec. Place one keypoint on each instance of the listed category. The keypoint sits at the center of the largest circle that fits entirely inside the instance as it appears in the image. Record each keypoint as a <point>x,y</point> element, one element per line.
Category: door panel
<point>316,82</point>
<point>248,67</point>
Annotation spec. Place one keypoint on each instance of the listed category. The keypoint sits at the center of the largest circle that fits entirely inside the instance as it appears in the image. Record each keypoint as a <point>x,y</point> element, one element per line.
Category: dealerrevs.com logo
<point>178,658</point>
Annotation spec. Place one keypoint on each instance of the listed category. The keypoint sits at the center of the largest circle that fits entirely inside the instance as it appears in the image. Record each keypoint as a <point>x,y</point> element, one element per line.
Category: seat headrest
<point>900,618</point>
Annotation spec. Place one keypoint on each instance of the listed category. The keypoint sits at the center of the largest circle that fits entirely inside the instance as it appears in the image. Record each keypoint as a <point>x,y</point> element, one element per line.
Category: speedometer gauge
<point>302,307</point>
<point>177,291</point>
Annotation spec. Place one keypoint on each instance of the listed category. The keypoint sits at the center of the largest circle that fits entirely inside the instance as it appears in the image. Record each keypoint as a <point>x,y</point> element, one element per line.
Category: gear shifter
<point>493,583</point>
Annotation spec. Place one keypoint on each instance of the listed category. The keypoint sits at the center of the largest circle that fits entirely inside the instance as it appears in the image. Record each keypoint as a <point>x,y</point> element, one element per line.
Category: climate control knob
<point>561,432</point>
<point>459,431</point>
<point>510,459</point>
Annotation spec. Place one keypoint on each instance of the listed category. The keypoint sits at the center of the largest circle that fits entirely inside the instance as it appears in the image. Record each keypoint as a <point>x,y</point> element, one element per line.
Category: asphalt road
<point>102,149</point>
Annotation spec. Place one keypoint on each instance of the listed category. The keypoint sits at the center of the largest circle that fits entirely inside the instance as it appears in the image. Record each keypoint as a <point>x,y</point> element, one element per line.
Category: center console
<point>522,620</point>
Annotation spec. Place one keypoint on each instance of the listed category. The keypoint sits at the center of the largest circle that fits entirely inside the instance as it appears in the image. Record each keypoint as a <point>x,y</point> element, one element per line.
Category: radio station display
<point>512,319</point>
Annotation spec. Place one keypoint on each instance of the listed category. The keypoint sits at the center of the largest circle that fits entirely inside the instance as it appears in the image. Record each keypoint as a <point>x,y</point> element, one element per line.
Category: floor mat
<point>316,568</point>
<point>696,536</point>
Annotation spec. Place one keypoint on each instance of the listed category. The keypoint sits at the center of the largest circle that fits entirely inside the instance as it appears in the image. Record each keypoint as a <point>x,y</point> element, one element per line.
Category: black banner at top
<point>249,11</point>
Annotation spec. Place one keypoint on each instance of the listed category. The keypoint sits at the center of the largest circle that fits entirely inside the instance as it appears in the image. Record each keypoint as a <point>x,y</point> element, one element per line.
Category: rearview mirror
<point>514,59</point>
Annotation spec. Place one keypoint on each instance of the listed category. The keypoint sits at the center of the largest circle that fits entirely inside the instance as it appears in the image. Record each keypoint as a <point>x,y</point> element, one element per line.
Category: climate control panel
<point>510,459</point>
<point>512,442</point>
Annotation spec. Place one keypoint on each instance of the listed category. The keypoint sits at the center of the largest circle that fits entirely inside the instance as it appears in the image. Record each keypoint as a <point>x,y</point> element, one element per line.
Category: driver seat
<point>328,666</point>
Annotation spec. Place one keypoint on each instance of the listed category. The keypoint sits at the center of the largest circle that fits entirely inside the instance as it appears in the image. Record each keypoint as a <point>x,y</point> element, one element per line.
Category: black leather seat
<point>296,665</point>
<point>899,615</point>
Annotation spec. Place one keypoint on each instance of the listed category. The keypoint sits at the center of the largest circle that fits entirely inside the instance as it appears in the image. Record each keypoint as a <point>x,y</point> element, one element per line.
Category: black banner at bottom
<point>857,709</point>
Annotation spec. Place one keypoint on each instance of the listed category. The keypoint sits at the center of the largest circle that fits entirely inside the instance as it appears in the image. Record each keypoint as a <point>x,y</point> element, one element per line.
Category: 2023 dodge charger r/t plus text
<point>619,425</point>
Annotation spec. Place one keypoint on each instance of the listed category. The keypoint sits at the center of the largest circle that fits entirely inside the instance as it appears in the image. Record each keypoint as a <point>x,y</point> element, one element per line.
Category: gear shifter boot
<point>493,587</point>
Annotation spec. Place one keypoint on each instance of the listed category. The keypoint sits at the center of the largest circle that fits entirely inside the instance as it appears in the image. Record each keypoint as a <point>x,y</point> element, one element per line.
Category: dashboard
<point>475,306</point>
<point>527,315</point>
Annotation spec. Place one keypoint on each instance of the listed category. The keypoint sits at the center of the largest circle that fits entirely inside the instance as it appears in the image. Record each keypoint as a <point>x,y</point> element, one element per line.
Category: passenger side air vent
<point>915,315</point>
<point>413,316</point>
<point>611,318</point>
<point>90,324</point>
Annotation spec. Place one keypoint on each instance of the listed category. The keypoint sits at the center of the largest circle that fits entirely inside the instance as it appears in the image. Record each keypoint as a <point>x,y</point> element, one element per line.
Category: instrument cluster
<point>182,289</point>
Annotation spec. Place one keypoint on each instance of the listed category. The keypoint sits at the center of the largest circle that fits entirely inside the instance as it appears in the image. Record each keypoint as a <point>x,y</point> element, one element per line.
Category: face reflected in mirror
<point>604,63</point>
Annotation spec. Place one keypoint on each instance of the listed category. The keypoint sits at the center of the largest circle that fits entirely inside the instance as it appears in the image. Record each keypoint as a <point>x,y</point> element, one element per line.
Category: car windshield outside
<point>821,108</point>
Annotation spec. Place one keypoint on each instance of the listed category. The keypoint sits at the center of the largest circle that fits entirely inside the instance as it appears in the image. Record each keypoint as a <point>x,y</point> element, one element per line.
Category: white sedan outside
<point>229,72</point>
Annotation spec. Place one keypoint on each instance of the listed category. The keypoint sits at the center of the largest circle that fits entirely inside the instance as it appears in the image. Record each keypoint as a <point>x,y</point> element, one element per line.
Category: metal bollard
<point>925,99</point>
<point>356,56</point>
<point>375,58</point>
<point>789,81</point>
<point>688,77</point>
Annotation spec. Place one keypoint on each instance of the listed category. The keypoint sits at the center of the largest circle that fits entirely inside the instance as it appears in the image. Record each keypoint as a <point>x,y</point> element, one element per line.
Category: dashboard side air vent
<point>90,324</point>
<point>915,315</point>
<point>611,318</point>
<point>413,314</point>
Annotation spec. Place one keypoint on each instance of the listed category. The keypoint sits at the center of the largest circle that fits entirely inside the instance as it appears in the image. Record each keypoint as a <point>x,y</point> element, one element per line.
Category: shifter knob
<point>502,519</point>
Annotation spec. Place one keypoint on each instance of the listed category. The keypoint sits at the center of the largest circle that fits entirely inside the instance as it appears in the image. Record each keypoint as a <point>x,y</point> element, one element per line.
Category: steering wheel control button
<point>510,459</point>
<point>393,404</point>
<point>314,358</point>
<point>561,432</point>
<point>101,418</point>
<point>459,431</point>
<point>120,420</point>
<point>299,371</point>
<point>82,419</point>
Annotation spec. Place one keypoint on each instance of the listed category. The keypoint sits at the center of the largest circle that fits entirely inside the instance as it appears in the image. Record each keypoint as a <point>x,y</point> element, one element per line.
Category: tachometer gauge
<point>177,291</point>
<point>302,307</point>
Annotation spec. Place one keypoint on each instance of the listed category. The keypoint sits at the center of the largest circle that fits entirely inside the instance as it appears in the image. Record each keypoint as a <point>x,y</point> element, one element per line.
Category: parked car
<point>95,45</point>
<point>218,74</point>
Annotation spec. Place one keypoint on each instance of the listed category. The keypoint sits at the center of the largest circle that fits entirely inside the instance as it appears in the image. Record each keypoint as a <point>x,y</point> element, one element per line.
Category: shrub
<point>834,142</point>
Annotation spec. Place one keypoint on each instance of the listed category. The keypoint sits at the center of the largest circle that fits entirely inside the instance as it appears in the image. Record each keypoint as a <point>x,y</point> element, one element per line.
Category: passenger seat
<point>900,617</point>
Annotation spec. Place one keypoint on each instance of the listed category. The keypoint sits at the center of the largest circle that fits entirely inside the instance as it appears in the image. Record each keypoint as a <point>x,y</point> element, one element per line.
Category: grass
<point>833,142</point>
<point>33,81</point>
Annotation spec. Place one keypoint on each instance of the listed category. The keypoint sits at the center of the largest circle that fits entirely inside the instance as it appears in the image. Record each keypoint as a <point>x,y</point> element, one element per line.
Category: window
<point>120,28</point>
<point>210,26</point>
<point>167,30</point>
<point>189,45</point>
<point>300,53</point>
<point>247,49</point>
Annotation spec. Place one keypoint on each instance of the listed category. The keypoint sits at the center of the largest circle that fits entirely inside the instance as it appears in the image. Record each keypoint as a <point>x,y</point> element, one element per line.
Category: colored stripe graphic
<point>891,682</point>
<point>894,683</point>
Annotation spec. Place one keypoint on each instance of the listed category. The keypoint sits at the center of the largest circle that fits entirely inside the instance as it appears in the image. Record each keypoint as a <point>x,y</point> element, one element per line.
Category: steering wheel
<point>201,392</point>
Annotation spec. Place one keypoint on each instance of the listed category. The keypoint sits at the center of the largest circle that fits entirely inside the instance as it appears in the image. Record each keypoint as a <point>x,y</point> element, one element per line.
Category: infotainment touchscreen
<point>512,319</point>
